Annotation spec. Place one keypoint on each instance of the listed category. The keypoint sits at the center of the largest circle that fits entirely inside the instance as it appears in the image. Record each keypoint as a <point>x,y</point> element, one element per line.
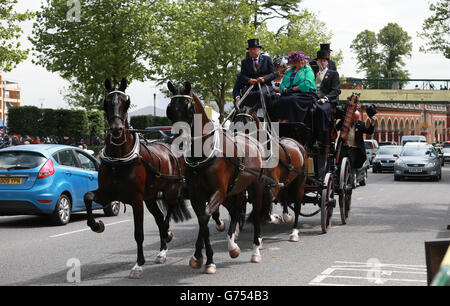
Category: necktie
<point>255,62</point>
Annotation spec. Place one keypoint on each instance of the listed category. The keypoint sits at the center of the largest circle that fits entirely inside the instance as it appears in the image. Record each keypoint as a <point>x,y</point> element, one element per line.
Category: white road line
<point>378,279</point>
<point>381,265</point>
<point>376,270</point>
<point>86,229</point>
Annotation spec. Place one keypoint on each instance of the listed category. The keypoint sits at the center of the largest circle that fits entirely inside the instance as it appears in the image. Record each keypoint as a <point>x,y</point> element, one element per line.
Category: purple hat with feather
<point>297,56</point>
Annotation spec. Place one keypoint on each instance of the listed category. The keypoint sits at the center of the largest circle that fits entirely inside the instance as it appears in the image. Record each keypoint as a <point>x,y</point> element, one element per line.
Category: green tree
<point>11,53</point>
<point>366,47</point>
<point>112,39</point>
<point>436,29</point>
<point>381,55</point>
<point>304,32</point>
<point>203,42</point>
<point>272,9</point>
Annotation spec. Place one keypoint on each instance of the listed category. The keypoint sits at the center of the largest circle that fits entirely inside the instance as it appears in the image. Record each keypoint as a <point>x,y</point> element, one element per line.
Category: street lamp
<point>154,104</point>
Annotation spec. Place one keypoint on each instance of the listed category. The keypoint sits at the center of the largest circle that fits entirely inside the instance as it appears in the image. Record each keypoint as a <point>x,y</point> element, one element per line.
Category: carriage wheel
<point>327,203</point>
<point>345,190</point>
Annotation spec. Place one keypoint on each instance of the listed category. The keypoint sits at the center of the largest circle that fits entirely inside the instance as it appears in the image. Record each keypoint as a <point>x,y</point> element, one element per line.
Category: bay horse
<point>218,178</point>
<point>133,171</point>
<point>289,172</point>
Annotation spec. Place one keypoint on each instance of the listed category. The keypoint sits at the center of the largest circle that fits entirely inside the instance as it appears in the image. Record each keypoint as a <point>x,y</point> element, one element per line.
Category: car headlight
<point>431,164</point>
<point>400,163</point>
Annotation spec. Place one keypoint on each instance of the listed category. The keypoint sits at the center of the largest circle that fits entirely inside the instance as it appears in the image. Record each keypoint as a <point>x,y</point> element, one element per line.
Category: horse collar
<point>125,160</point>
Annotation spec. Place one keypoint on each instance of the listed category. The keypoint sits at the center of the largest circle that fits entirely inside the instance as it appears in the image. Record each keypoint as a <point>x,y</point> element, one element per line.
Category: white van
<point>413,138</point>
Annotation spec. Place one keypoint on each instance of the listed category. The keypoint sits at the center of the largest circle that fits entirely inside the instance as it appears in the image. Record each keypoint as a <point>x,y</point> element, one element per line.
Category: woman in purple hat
<point>298,89</point>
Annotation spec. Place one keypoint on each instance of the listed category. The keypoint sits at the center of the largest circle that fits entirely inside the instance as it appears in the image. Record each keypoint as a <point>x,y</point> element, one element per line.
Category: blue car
<point>48,180</point>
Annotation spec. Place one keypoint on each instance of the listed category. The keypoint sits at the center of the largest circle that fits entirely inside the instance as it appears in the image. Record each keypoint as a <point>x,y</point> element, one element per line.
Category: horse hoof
<point>195,263</point>
<point>275,219</point>
<point>160,260</point>
<point>101,227</point>
<point>288,218</point>
<point>293,238</point>
<point>256,258</point>
<point>211,269</point>
<point>169,236</point>
<point>221,227</point>
<point>137,272</point>
<point>235,253</point>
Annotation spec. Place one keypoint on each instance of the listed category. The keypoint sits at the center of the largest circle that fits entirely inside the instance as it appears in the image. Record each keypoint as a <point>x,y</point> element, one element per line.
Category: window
<point>86,162</point>
<point>66,158</point>
<point>20,160</point>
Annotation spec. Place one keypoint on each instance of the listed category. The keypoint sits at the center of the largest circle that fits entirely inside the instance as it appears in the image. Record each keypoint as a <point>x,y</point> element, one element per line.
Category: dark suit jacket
<point>330,86</point>
<point>361,129</point>
<point>266,69</point>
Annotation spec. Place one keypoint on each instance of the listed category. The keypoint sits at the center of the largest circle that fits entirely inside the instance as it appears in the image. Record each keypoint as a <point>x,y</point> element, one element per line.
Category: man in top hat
<point>331,64</point>
<point>257,68</point>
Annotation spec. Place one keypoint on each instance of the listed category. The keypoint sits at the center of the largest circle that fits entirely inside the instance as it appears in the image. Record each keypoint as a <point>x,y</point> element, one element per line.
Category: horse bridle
<point>123,120</point>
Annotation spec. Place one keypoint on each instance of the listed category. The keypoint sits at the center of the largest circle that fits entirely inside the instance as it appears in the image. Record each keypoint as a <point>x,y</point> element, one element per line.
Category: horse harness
<point>135,155</point>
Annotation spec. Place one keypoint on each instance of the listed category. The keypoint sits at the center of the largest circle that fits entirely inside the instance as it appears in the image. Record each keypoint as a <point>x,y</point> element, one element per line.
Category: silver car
<point>384,160</point>
<point>417,160</point>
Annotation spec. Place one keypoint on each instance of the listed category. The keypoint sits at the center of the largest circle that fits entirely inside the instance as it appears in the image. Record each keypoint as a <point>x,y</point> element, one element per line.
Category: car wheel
<point>63,209</point>
<point>112,209</point>
<point>364,180</point>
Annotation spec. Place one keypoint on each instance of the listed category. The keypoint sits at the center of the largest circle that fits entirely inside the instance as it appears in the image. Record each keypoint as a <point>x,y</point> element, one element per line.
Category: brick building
<point>407,112</point>
<point>10,95</point>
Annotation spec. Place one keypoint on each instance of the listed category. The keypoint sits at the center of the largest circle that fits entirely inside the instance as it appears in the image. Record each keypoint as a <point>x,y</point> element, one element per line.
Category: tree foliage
<point>381,55</point>
<point>436,29</point>
<point>11,53</point>
<point>271,9</point>
<point>203,42</point>
<point>112,39</point>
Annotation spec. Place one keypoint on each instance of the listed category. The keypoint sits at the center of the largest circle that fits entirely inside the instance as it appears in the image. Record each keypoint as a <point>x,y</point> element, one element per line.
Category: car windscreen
<point>446,145</point>
<point>389,150</point>
<point>415,151</point>
<point>368,145</point>
<point>20,160</point>
<point>446,150</point>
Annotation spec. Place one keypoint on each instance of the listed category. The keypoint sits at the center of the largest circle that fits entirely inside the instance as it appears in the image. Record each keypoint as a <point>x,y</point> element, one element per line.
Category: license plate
<point>416,170</point>
<point>10,181</point>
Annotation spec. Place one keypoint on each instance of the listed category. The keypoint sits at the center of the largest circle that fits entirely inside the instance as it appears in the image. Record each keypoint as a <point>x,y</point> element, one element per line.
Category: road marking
<point>372,272</point>
<point>86,229</point>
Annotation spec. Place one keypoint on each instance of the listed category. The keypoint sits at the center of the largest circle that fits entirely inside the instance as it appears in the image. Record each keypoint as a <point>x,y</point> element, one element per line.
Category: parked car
<point>387,143</point>
<point>440,155</point>
<point>417,160</point>
<point>384,160</point>
<point>48,180</point>
<point>446,145</point>
<point>413,138</point>
<point>371,149</point>
<point>446,153</point>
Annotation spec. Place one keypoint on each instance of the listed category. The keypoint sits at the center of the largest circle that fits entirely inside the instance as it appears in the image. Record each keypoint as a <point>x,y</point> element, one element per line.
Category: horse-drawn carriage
<point>320,188</point>
<point>137,172</point>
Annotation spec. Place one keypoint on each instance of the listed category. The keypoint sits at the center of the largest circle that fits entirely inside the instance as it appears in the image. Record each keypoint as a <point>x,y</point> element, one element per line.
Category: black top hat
<point>325,47</point>
<point>253,43</point>
<point>322,54</point>
<point>371,111</point>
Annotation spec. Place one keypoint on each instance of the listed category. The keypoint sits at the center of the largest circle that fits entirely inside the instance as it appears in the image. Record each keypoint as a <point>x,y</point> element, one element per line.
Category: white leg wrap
<point>231,244</point>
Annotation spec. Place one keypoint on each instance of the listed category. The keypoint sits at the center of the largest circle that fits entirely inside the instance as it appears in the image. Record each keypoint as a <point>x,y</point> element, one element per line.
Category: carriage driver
<point>258,68</point>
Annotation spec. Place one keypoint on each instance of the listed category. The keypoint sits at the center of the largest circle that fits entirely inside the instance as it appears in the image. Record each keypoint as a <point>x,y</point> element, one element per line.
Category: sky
<point>345,19</point>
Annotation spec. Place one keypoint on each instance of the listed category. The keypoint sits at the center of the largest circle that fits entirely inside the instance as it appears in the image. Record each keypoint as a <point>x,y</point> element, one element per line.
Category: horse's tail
<point>180,212</point>
<point>266,209</point>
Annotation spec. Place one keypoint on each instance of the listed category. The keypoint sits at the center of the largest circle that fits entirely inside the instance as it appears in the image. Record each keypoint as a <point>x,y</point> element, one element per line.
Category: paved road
<point>389,223</point>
